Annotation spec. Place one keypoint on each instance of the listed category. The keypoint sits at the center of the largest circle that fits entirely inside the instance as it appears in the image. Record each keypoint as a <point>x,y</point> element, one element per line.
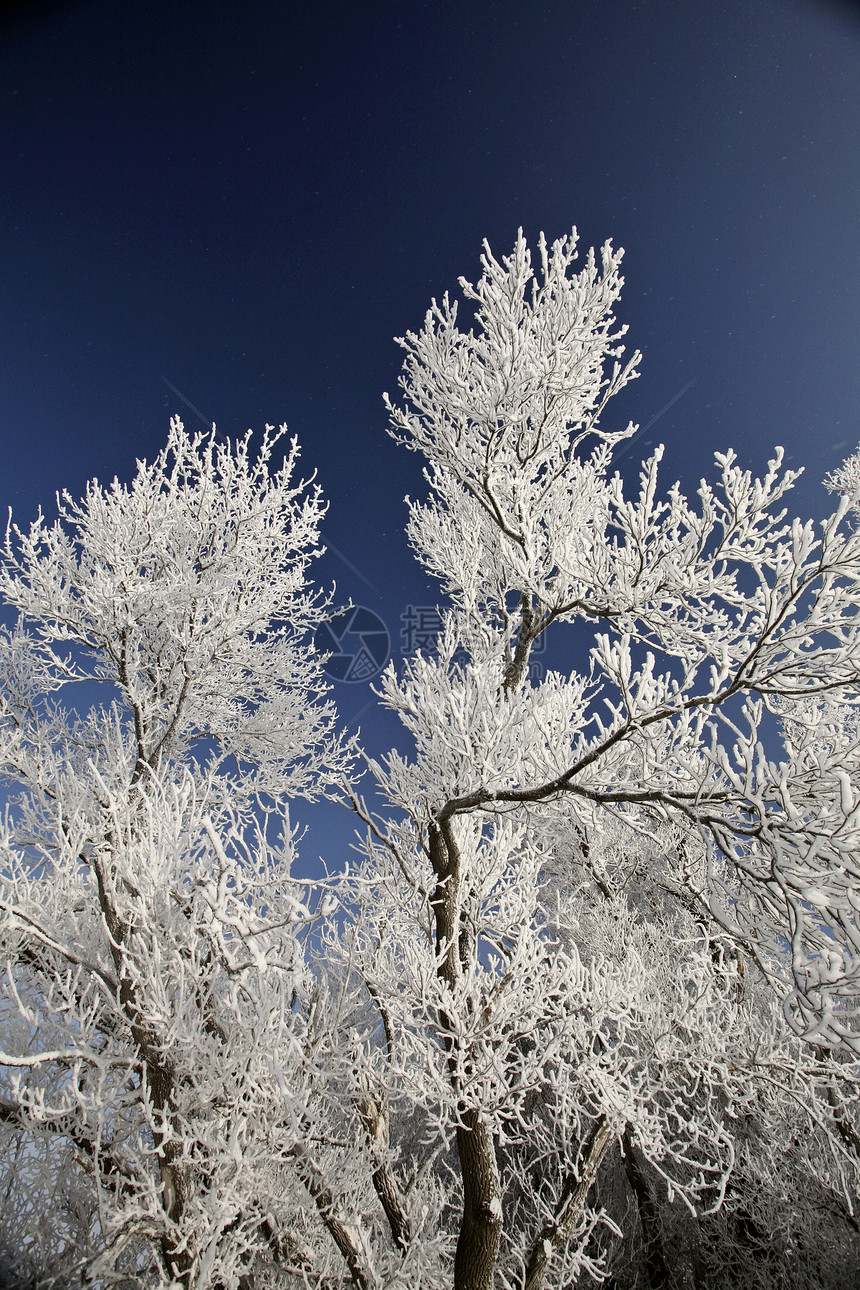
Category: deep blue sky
<point>248,201</point>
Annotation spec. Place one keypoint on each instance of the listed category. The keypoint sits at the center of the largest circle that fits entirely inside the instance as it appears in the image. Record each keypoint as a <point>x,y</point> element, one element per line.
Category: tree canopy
<point>586,1003</point>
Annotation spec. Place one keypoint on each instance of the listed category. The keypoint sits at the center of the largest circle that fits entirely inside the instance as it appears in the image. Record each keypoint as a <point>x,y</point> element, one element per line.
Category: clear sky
<point>227,210</point>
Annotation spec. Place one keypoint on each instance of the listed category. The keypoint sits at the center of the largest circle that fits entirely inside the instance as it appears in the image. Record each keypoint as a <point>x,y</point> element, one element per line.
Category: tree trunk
<point>656,1272</point>
<point>175,1183</point>
<point>481,1223</point>
<point>481,1226</point>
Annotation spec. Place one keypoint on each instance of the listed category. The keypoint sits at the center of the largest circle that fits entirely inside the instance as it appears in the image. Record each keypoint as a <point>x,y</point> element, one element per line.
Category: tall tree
<point>150,929</point>
<point>542,1049</point>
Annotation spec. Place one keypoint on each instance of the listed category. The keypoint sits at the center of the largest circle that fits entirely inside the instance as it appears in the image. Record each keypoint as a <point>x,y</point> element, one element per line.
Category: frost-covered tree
<point>538,1029</point>
<point>151,934</point>
<point>587,1003</point>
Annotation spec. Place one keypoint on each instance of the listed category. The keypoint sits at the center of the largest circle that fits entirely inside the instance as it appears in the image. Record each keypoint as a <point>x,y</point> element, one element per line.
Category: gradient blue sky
<point>243,203</point>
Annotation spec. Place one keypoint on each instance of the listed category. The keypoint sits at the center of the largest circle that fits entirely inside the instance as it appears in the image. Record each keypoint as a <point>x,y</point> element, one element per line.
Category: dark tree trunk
<point>481,1223</point>
<point>656,1272</point>
<point>481,1226</point>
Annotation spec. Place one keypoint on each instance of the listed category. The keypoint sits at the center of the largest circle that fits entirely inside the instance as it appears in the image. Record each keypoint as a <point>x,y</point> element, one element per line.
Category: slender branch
<point>570,1206</point>
<point>344,1235</point>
